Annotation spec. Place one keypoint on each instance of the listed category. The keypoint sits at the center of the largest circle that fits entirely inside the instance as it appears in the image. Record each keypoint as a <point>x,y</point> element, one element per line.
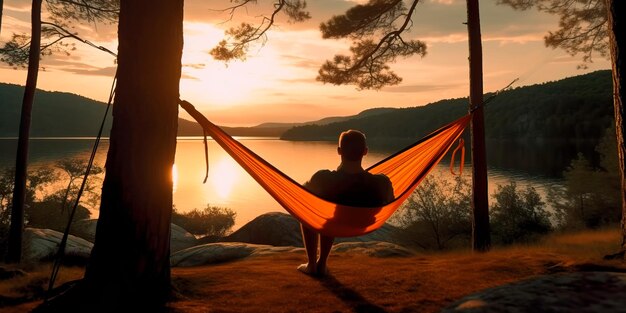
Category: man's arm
<point>317,183</point>
<point>386,188</point>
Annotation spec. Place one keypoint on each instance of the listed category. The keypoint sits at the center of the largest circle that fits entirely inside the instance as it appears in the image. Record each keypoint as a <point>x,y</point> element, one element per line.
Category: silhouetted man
<point>349,185</point>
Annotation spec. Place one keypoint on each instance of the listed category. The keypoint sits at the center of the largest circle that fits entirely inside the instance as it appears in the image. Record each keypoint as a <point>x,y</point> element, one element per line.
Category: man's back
<point>354,189</point>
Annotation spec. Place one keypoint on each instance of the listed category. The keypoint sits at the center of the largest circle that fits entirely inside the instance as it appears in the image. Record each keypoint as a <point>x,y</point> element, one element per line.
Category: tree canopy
<point>64,16</point>
<point>583,25</point>
<point>375,29</point>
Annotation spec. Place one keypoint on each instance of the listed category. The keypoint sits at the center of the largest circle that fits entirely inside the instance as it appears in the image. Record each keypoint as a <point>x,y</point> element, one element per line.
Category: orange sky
<point>277,82</point>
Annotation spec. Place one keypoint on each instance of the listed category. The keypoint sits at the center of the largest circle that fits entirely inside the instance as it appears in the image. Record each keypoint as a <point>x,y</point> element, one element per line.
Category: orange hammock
<point>405,169</point>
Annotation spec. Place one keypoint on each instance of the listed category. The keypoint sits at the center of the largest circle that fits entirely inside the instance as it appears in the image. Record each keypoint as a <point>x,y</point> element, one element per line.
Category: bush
<point>590,197</point>
<point>518,216</point>
<point>437,215</point>
<point>49,214</point>
<point>211,221</point>
<point>42,205</point>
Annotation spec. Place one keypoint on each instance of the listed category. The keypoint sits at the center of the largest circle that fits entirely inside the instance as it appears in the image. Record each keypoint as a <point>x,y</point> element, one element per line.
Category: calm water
<point>230,186</point>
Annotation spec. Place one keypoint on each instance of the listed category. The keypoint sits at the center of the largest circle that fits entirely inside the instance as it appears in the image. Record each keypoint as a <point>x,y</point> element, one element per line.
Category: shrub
<point>210,221</point>
<point>437,215</point>
<point>518,216</point>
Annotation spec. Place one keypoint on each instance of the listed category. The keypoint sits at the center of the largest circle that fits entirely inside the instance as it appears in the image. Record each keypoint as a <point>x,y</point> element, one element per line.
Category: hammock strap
<point>461,146</point>
<point>206,156</point>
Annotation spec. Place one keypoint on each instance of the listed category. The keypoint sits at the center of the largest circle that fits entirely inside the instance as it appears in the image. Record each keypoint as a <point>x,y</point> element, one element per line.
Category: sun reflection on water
<point>223,176</point>
<point>174,177</point>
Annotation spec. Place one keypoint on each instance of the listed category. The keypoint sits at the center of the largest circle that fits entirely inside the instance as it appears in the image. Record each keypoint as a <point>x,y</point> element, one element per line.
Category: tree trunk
<point>1,10</point>
<point>14,251</point>
<point>481,239</point>
<point>130,258</point>
<point>617,40</point>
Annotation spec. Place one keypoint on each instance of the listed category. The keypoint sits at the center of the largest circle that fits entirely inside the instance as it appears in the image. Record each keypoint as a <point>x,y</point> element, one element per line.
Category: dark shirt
<point>353,189</point>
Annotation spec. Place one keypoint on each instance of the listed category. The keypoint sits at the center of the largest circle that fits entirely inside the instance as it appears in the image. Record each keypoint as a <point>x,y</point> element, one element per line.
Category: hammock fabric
<point>405,169</point>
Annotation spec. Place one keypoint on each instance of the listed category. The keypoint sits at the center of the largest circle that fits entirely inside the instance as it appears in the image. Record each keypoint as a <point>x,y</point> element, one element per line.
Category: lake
<point>228,185</point>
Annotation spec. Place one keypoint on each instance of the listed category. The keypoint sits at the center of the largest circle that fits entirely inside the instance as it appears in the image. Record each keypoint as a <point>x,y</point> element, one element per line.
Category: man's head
<point>352,145</point>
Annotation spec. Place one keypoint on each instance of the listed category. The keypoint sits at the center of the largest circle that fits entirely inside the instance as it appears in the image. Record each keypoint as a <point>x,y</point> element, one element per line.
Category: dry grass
<point>423,283</point>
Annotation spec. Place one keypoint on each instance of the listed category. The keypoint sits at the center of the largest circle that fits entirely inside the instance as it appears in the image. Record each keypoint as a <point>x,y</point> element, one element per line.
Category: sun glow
<point>220,84</point>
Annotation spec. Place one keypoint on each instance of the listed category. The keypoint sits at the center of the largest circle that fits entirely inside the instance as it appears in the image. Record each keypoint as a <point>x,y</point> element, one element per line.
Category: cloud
<point>105,71</point>
<point>299,61</point>
<point>197,66</point>
<point>445,2</point>
<point>340,97</point>
<point>298,80</point>
<point>187,76</point>
<point>18,6</point>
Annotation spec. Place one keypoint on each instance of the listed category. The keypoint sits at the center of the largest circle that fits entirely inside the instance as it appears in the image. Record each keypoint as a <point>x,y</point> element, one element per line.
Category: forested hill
<point>54,113</point>
<point>575,108</point>
<point>61,114</point>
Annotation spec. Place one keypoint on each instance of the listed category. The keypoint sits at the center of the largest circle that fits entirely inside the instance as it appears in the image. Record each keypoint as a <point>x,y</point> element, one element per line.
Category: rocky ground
<point>565,273</point>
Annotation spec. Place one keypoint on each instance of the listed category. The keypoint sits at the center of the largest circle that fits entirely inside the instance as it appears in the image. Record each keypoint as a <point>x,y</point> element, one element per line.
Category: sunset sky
<point>277,82</point>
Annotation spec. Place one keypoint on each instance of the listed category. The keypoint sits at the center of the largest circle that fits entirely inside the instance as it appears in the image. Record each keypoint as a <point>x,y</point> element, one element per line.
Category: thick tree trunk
<point>130,258</point>
<point>481,239</point>
<point>617,39</point>
<point>14,251</point>
<point>1,11</point>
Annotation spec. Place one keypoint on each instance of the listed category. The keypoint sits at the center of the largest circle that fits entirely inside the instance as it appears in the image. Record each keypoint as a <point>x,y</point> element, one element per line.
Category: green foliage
<point>364,20</point>
<point>368,67</point>
<point>50,214</point>
<point>54,113</point>
<point>590,197</point>
<point>437,215</point>
<point>64,16</point>
<point>518,216</point>
<point>210,221</point>
<point>583,25</point>
<point>238,39</point>
<point>573,109</point>
<point>74,170</point>
<point>47,207</point>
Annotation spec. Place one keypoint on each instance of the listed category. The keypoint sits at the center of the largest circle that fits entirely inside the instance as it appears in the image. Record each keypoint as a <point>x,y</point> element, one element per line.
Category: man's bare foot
<point>307,268</point>
<point>321,270</point>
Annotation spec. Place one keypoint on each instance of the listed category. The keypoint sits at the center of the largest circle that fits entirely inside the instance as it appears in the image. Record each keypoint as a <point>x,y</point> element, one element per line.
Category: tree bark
<point>617,40</point>
<point>1,11</point>
<point>14,250</point>
<point>130,258</point>
<point>481,239</point>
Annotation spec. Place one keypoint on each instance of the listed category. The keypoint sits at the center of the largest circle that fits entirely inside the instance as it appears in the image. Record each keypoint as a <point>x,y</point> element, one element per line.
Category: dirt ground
<point>425,282</point>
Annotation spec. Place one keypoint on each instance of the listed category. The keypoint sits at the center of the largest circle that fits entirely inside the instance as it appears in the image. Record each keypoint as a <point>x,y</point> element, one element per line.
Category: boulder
<point>42,244</point>
<point>212,253</point>
<point>181,239</point>
<point>373,248</point>
<point>85,229</point>
<point>274,229</point>
<point>582,292</point>
<point>281,229</point>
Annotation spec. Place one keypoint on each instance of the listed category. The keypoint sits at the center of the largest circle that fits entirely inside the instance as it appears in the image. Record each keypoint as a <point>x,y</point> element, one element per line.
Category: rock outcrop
<point>582,292</point>
<point>42,244</point>
<point>181,239</point>
<point>281,229</point>
<point>212,253</point>
<point>229,251</point>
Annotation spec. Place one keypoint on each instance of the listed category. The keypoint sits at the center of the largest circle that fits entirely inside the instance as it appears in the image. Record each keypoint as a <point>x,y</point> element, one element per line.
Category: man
<point>349,185</point>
